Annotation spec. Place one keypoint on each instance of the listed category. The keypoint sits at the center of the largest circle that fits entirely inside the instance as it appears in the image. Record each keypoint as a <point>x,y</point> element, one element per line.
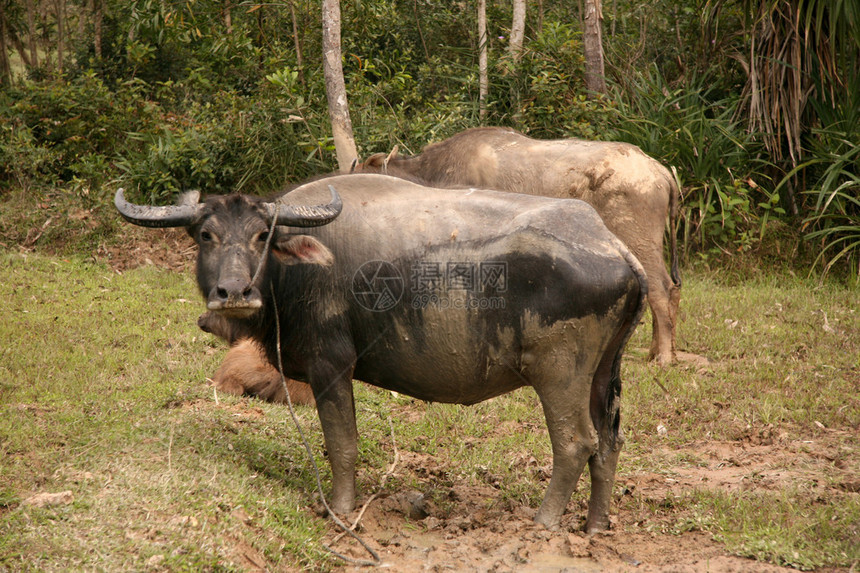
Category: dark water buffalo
<point>246,370</point>
<point>633,193</point>
<point>438,294</point>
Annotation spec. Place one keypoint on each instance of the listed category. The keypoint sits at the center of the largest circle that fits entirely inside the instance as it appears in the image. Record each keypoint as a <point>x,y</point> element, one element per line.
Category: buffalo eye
<point>263,237</point>
<point>205,236</point>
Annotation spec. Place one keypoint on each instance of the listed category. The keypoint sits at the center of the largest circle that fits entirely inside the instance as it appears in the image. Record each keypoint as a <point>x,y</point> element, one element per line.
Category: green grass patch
<point>781,350</point>
<point>790,528</point>
<point>104,393</point>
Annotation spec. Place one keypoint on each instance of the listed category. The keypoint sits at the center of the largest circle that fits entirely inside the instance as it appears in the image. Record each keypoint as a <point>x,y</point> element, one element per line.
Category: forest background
<point>104,391</point>
<point>755,103</point>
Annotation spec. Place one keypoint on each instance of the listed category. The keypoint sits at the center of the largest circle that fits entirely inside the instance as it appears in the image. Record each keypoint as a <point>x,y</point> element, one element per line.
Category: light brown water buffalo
<point>246,370</point>
<point>633,193</point>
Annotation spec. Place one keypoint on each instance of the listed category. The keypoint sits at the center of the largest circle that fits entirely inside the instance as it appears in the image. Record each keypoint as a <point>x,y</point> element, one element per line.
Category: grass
<point>783,351</point>
<point>103,393</point>
<point>790,528</point>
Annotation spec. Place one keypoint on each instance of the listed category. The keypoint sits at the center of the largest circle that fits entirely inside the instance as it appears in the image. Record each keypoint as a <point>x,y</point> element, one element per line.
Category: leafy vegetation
<point>164,96</point>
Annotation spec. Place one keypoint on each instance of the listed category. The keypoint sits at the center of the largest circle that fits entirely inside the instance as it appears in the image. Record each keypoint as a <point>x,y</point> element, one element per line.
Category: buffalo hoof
<point>342,507</point>
<point>551,523</point>
<point>663,360</point>
<point>596,527</point>
<point>323,510</point>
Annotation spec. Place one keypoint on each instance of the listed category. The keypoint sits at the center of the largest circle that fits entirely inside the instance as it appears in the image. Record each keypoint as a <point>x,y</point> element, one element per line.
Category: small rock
<point>46,499</point>
<point>416,507</point>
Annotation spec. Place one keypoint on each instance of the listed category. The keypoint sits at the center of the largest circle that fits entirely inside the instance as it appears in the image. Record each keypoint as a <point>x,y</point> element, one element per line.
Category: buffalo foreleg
<point>336,409</point>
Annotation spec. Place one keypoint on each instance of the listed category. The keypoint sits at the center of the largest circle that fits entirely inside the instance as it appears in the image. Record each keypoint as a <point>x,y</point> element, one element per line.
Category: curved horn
<point>181,215</point>
<point>301,216</point>
<point>395,151</point>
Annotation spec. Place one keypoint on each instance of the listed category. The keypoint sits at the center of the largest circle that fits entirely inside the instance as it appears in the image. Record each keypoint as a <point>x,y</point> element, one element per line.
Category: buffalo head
<point>236,235</point>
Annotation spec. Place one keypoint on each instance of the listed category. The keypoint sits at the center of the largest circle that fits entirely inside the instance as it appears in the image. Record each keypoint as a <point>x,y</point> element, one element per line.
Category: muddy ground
<point>413,534</point>
<point>413,531</point>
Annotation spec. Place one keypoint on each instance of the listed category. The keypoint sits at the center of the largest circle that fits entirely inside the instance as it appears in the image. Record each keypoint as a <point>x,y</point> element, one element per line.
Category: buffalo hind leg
<point>605,415</point>
<point>660,299</point>
<point>602,468</point>
<point>574,440</point>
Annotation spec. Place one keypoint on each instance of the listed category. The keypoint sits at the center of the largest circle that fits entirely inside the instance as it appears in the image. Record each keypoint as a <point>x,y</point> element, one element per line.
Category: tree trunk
<point>82,20</point>
<point>61,33</point>
<point>592,45</point>
<point>12,38</point>
<point>31,33</point>
<point>614,18</point>
<point>540,17</point>
<point>518,29</point>
<point>335,87</point>
<point>226,12</point>
<point>298,43</point>
<point>5,68</point>
<point>483,79</point>
<point>98,17</point>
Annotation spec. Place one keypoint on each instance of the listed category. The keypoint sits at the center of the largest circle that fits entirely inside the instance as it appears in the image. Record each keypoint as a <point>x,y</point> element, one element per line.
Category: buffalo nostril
<point>234,294</point>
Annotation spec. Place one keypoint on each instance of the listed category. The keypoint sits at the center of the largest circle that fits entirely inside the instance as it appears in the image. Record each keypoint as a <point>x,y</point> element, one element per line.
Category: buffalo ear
<point>297,249</point>
<point>375,161</point>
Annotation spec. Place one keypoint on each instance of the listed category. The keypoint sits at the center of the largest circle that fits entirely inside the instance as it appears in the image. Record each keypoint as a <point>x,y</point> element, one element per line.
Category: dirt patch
<point>164,248</point>
<point>741,465</point>
<point>459,527</point>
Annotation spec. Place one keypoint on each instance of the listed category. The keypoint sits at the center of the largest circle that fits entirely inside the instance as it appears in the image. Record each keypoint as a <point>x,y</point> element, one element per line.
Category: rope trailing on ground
<point>347,530</point>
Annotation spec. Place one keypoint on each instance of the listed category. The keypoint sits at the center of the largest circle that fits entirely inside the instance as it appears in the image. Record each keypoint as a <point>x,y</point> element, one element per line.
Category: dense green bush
<point>233,143</point>
<point>58,132</point>
<point>82,134</point>
<point>724,174</point>
<point>833,220</point>
<point>179,98</point>
<point>544,93</point>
